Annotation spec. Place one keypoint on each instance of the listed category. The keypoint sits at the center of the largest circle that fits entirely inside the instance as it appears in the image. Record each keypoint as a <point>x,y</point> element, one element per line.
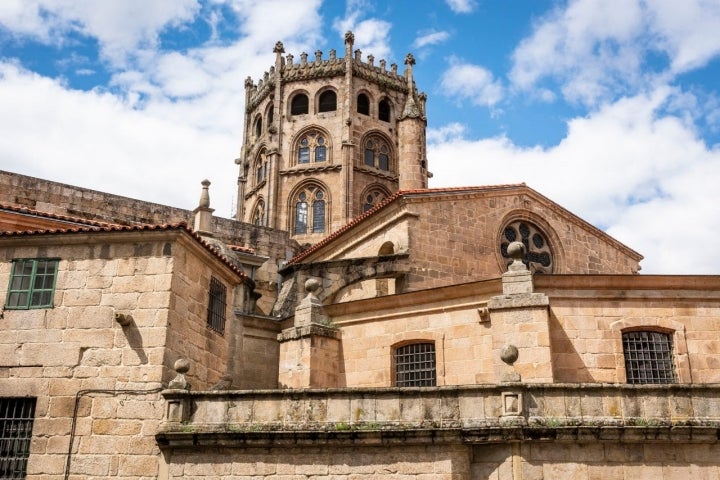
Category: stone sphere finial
<point>516,251</point>
<point>181,365</point>
<point>311,285</point>
<point>509,354</point>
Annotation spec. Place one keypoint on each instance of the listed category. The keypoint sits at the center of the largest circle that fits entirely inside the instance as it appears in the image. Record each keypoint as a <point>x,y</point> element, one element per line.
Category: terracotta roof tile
<point>53,216</point>
<point>107,228</point>
<point>388,201</point>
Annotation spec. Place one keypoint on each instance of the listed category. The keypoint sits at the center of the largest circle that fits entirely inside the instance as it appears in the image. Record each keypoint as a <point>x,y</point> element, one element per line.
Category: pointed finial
<point>318,56</point>
<point>349,37</point>
<point>409,59</point>
<point>279,48</point>
<point>248,82</point>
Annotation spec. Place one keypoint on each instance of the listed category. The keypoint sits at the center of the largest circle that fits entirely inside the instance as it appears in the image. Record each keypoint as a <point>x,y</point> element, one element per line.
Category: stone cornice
<point>376,173</point>
<point>303,170</point>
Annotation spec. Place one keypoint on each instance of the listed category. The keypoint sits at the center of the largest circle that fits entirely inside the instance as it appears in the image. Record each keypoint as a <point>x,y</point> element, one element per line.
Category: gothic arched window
<point>260,167</point>
<point>313,146</point>
<point>299,104</point>
<point>377,153</point>
<point>327,101</point>
<point>309,210</point>
<point>270,115</point>
<point>258,126</point>
<point>258,217</point>
<point>384,110</point>
<point>372,198</point>
<point>363,104</point>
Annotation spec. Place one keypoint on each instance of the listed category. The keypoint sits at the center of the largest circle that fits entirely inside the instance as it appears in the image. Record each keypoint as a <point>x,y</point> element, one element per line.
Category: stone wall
<point>549,431</point>
<point>77,348</point>
<point>95,380</point>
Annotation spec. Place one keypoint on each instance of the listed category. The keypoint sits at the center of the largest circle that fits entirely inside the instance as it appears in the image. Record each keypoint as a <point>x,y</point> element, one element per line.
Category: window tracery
<point>309,210</point>
<point>538,255</point>
<point>313,146</point>
<point>373,198</point>
<point>258,217</point>
<point>260,167</point>
<point>377,153</point>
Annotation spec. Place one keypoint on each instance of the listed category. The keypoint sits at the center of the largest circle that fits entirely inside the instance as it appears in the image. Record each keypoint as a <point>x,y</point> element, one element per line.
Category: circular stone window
<point>538,257</point>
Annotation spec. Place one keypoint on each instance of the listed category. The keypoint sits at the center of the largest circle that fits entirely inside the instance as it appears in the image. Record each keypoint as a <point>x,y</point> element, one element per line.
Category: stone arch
<point>377,135</point>
<point>326,100</point>
<point>371,196</point>
<point>659,324</point>
<point>307,133</point>
<point>309,188</point>
<point>295,104</point>
<point>367,104</point>
<point>553,240</point>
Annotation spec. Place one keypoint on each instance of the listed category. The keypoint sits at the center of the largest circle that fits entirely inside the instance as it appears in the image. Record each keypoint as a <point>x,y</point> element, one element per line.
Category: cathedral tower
<point>327,139</point>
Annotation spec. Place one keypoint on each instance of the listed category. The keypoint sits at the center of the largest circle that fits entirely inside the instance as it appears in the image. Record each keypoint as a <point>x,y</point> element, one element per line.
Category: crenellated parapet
<point>317,67</point>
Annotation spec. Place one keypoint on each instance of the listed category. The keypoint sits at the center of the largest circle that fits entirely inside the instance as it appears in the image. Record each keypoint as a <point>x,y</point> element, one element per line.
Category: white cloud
<point>466,81</point>
<point>597,51</point>
<point>647,179</point>
<point>431,38</point>
<point>171,120</point>
<point>461,6</point>
<point>119,27</point>
<point>96,139</point>
<point>372,35</point>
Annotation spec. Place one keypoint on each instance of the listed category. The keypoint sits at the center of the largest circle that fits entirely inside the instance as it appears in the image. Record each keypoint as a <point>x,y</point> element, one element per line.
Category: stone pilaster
<point>521,335</point>
<point>310,351</point>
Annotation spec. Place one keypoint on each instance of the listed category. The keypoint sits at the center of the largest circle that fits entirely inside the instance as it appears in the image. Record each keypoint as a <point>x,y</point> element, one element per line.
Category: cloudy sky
<point>609,107</point>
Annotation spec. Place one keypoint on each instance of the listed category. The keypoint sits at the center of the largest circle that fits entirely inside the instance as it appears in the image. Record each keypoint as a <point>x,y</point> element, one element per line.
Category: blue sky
<point>609,108</point>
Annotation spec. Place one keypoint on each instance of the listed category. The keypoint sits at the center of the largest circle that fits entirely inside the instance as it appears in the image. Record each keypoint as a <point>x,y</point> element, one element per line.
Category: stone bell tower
<point>326,139</point>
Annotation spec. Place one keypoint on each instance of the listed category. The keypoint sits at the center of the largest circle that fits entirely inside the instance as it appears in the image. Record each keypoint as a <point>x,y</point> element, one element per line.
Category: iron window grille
<point>32,283</point>
<point>16,422</point>
<point>216,306</point>
<point>648,357</point>
<point>415,365</point>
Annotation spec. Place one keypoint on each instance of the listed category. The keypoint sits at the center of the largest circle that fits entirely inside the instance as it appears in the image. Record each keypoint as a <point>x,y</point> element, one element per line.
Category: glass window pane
<point>304,155</point>
<point>320,153</point>
<point>383,159</point>
<point>301,214</point>
<point>319,216</point>
<point>369,157</point>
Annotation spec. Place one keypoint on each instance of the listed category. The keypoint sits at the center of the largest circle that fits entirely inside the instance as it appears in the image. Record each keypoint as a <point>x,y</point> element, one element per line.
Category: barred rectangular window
<point>648,357</point>
<point>16,422</point>
<point>32,283</point>
<point>216,305</point>
<point>415,365</point>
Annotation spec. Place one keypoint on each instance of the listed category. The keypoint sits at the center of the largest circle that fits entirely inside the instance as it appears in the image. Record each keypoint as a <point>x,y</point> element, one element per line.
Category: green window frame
<point>32,283</point>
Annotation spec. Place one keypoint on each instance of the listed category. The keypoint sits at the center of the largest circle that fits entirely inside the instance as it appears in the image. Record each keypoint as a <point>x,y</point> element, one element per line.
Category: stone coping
<point>468,414</point>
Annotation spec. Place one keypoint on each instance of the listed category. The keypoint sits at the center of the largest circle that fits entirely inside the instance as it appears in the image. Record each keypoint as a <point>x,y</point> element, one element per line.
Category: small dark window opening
<point>363,104</point>
<point>271,114</point>
<point>384,110</point>
<point>415,365</point>
<point>216,305</point>
<point>258,127</point>
<point>648,357</point>
<point>328,101</point>
<point>16,423</point>
<point>299,104</point>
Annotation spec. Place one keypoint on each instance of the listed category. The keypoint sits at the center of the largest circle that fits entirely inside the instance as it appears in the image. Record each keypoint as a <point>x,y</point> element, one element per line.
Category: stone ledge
<point>342,434</point>
<point>304,331</point>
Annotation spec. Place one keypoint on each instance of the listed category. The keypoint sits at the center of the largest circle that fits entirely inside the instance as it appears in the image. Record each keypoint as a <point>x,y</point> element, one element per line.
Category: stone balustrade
<point>476,414</point>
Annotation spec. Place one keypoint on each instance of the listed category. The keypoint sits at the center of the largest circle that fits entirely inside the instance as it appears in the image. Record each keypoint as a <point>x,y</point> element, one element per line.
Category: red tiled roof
<point>107,228</point>
<point>239,248</point>
<point>53,216</point>
<point>388,201</point>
